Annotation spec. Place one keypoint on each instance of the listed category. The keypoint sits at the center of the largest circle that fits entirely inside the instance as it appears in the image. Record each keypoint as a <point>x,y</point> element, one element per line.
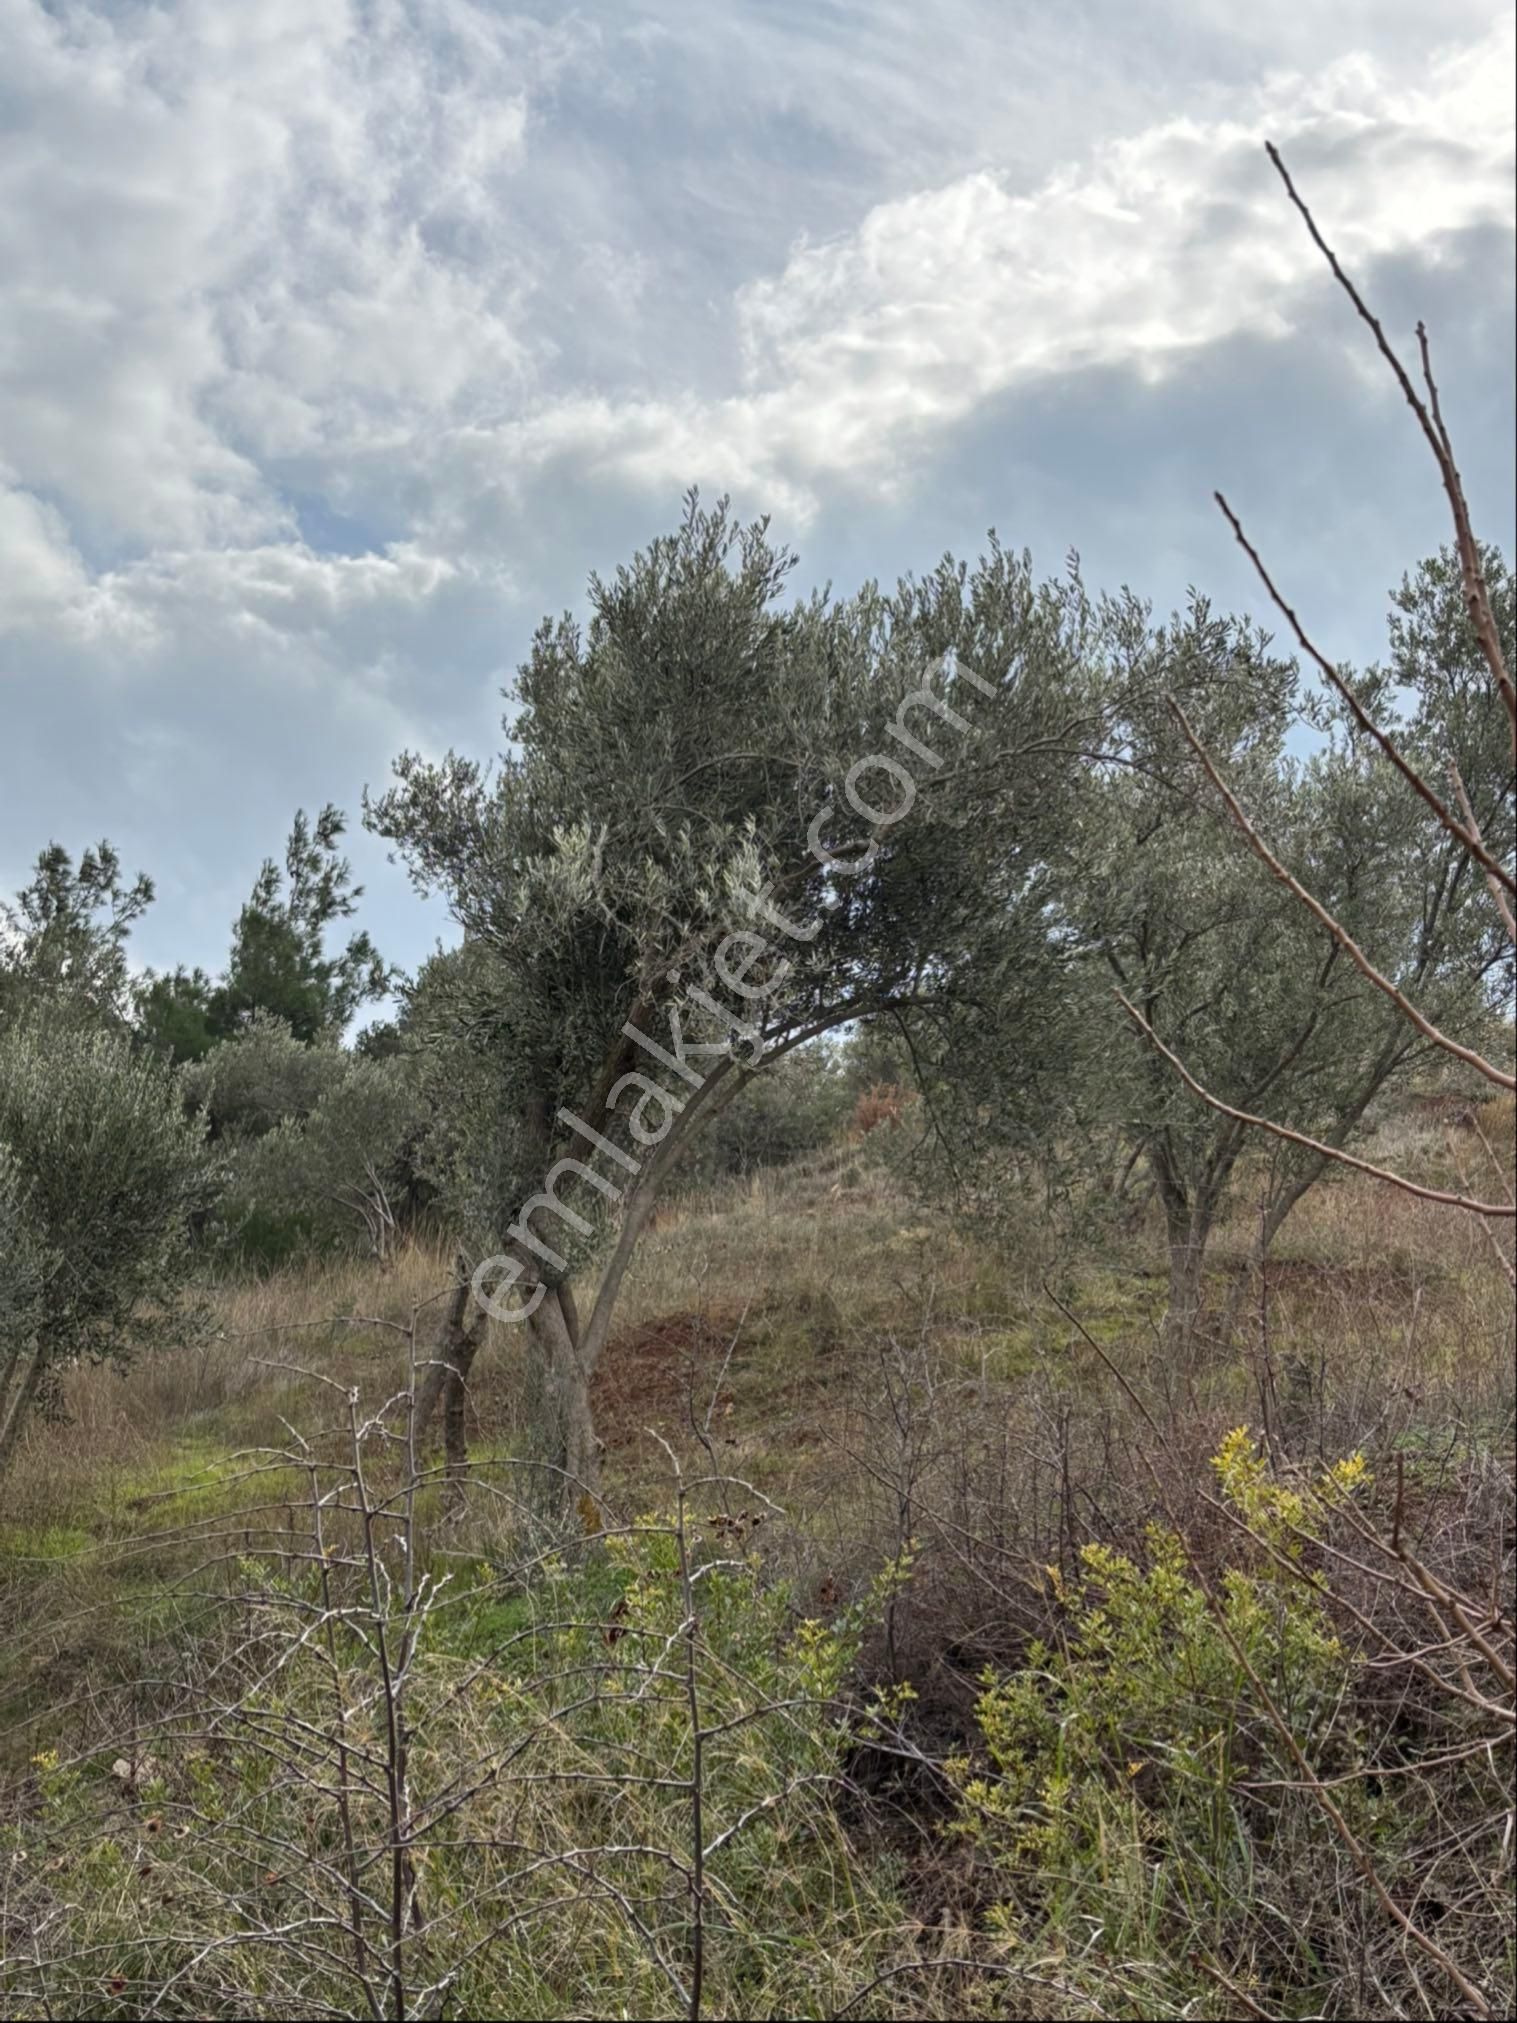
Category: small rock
<point>130,1775</point>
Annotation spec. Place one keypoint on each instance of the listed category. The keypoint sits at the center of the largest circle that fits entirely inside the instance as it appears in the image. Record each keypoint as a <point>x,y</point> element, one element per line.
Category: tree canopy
<point>63,939</point>
<point>279,965</point>
<point>101,1175</point>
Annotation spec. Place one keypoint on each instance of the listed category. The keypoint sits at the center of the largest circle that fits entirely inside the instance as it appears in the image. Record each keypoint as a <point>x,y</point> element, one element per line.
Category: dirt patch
<point>763,1372</point>
<point>658,1373</point>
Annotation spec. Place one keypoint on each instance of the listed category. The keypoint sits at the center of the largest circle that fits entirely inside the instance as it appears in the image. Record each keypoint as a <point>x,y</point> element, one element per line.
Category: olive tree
<point>251,1084</point>
<point>1156,903</point>
<point>1440,731</point>
<point>1164,897</point>
<point>1373,948</point>
<point>1407,891</point>
<point>347,1165</point>
<point>100,1176</point>
<point>728,820</point>
<point>1146,894</point>
<point>26,1264</point>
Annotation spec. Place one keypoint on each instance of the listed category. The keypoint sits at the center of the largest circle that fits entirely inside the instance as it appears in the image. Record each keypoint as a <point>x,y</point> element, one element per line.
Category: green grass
<point>41,1545</point>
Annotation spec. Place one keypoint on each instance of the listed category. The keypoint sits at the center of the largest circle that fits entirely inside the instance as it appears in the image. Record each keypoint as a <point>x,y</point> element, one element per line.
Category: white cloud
<point>313,319</point>
<point>279,590</point>
<point>1157,245</point>
<point>259,256</point>
<point>45,568</point>
<point>229,235</point>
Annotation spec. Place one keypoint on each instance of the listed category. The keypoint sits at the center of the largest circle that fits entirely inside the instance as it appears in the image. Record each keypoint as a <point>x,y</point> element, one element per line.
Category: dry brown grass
<point>219,1391</point>
<point>781,1293</point>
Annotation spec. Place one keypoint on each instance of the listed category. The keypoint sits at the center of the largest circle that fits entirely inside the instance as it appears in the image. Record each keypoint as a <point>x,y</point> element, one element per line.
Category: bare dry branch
<point>1508,920</point>
<point>1334,926</point>
<point>1494,1208</point>
<point>1362,717</point>
<point>1477,595</point>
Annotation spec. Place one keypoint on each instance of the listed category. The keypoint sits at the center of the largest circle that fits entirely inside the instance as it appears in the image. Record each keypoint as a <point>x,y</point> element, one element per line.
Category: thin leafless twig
<point>1493,1208</point>
<point>1335,927</point>
<point>1477,594</point>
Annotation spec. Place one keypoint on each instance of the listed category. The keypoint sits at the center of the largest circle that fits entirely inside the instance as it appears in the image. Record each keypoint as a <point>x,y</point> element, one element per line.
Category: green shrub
<point>1138,1806</point>
<point>549,1751</point>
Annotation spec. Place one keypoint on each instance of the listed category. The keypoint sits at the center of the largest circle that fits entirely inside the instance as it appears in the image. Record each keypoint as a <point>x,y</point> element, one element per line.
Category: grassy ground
<point>767,1316</point>
<point>887,1386</point>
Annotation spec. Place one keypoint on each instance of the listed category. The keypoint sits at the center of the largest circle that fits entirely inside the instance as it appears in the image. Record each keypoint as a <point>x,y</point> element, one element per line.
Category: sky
<point>340,340</point>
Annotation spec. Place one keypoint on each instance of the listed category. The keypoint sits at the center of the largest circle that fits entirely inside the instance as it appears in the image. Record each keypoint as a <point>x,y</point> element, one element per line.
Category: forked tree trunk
<point>449,1371</point>
<point>562,1354</point>
<point>557,1402</point>
<point>565,1353</point>
<point>1187,1253</point>
<point>1189,1212</point>
<point>567,1449</point>
<point>1188,1218</point>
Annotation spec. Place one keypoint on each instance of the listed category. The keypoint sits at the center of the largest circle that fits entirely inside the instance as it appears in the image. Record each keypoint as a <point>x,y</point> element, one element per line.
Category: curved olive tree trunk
<point>564,1352</point>
<point>557,1390</point>
<point>565,1446</point>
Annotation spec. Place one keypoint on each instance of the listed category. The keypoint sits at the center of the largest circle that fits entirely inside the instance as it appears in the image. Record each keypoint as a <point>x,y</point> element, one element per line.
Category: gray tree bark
<point>21,1387</point>
<point>449,1372</point>
<point>567,1447</point>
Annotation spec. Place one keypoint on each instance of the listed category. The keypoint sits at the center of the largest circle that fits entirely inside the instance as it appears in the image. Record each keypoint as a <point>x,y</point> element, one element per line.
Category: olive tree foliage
<point>347,1166</point>
<point>727,820</point>
<point>101,1175</point>
<point>26,1264</point>
<point>321,1146</point>
<point>1441,726</point>
<point>1441,703</point>
<point>259,1080</point>
<point>1159,902</point>
<point>1167,904</point>
<point>1143,892</point>
<point>1391,875</point>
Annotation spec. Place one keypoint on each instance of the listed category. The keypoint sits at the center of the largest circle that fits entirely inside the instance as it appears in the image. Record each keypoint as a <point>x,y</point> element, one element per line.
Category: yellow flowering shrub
<point>1113,1789</point>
